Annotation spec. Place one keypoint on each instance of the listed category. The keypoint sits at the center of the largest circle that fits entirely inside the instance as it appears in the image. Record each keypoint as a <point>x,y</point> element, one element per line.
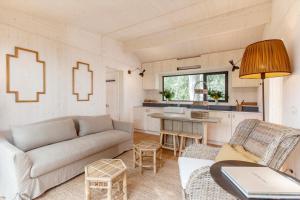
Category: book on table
<point>262,182</point>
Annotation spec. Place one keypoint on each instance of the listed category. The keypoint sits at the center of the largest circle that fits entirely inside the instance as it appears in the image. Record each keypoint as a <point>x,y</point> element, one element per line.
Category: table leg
<point>204,133</point>
<point>174,145</point>
<point>141,162</point>
<point>109,190</point>
<point>154,161</point>
<point>134,158</point>
<point>160,157</point>
<point>87,190</point>
<point>161,138</point>
<point>125,185</point>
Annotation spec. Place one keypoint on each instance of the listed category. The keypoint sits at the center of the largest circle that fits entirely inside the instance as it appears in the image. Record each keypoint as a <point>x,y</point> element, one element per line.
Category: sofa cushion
<point>89,125</point>
<point>188,165</point>
<point>51,157</point>
<point>32,136</point>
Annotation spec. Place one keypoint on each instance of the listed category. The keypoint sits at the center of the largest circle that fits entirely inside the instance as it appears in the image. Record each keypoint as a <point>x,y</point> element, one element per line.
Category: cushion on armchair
<point>228,152</point>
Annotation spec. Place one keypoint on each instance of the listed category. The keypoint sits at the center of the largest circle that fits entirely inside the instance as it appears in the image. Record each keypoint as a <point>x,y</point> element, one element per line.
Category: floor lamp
<point>265,59</point>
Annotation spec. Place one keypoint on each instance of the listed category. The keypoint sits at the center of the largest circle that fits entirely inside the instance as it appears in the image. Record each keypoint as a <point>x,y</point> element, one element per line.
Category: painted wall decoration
<point>82,81</point>
<point>25,75</point>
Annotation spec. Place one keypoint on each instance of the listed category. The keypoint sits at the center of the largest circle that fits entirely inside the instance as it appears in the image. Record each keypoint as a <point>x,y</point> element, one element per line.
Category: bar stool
<point>163,140</point>
<point>183,136</point>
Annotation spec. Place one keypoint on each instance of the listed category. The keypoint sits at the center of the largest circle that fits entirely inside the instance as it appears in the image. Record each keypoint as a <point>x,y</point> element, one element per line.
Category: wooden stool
<point>163,140</point>
<point>183,136</point>
<point>105,174</point>
<point>147,149</point>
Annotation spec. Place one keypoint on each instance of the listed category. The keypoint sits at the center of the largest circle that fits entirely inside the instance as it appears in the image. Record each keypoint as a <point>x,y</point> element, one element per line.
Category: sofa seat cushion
<point>51,157</point>
<point>188,165</point>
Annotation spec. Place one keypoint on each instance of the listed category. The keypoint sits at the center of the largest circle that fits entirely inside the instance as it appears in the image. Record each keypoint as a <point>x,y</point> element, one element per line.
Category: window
<point>183,85</point>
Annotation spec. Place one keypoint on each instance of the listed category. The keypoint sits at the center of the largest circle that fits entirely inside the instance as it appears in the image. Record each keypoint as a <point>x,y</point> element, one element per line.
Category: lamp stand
<point>263,77</point>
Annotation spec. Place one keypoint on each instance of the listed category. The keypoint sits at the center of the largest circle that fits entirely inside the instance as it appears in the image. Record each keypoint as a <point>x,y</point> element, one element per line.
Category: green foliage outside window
<point>183,85</point>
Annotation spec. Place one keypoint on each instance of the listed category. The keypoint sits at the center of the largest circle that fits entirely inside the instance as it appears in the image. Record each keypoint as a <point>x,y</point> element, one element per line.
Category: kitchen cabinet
<point>236,81</point>
<point>152,124</point>
<point>142,122</point>
<point>221,132</point>
<point>138,118</point>
<point>238,117</point>
<point>151,78</point>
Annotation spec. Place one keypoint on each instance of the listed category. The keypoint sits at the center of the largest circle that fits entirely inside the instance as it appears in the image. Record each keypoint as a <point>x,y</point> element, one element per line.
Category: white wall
<point>60,46</point>
<point>209,63</point>
<point>283,95</point>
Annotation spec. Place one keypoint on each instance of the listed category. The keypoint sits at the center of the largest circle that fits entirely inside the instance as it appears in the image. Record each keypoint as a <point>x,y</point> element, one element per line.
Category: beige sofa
<point>39,156</point>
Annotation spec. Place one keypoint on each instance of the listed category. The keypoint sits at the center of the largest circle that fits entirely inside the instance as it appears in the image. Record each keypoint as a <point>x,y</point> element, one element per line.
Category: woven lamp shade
<point>266,58</point>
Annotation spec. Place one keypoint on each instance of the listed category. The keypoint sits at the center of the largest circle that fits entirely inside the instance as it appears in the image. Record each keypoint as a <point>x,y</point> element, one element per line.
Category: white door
<point>113,95</point>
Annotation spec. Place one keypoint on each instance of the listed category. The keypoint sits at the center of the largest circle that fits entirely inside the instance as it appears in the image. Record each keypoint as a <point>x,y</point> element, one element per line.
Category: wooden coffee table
<point>105,174</point>
<point>146,154</point>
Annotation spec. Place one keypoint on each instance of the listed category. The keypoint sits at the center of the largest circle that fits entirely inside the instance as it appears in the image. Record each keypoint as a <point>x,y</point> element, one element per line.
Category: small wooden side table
<point>147,149</point>
<point>105,174</point>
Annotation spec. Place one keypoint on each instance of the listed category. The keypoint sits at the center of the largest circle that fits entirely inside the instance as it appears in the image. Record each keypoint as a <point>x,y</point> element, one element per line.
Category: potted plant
<point>168,94</point>
<point>215,94</point>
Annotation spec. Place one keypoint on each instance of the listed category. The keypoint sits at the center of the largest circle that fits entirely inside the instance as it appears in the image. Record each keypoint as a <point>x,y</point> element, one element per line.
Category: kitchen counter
<point>181,117</point>
<point>209,107</point>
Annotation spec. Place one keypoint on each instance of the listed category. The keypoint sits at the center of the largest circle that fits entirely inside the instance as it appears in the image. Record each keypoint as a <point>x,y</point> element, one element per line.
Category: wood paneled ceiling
<point>160,29</point>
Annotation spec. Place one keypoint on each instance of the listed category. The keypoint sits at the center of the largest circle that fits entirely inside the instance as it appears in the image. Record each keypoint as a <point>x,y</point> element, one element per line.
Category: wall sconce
<point>140,69</point>
<point>234,66</point>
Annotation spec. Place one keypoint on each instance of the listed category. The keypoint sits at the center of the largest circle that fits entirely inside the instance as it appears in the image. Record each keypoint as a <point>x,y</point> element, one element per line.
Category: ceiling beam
<point>230,22</point>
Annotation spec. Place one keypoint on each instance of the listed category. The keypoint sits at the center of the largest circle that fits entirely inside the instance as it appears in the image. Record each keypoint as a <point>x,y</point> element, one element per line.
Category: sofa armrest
<point>201,151</point>
<point>15,168</point>
<point>202,186</point>
<point>123,126</point>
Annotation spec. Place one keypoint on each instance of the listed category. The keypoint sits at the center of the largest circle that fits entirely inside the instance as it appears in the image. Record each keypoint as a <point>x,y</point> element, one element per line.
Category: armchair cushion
<point>188,165</point>
<point>227,152</point>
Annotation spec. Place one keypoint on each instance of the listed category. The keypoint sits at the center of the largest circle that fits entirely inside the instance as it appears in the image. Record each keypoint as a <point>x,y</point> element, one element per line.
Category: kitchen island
<point>183,123</point>
<point>217,133</point>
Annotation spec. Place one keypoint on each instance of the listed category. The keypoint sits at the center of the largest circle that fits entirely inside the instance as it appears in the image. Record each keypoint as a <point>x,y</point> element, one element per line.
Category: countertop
<point>209,107</point>
<point>181,117</point>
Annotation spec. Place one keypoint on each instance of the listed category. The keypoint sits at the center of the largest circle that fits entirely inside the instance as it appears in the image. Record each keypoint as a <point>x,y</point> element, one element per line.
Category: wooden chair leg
<point>181,145</point>
<point>154,162</point>
<point>161,138</point>
<point>87,190</point>
<point>174,145</point>
<point>134,158</point>
<point>141,162</point>
<point>125,186</point>
<point>196,141</point>
<point>109,191</point>
<point>160,158</point>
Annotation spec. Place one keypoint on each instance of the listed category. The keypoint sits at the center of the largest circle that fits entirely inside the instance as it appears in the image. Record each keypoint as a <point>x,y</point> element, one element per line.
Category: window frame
<point>205,74</point>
